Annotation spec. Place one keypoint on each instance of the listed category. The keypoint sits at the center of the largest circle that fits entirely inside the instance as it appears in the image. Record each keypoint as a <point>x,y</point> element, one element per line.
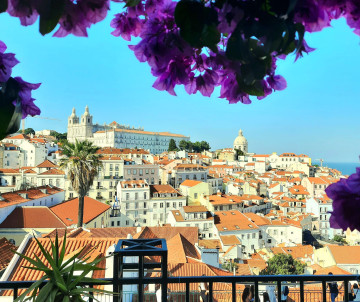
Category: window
<point>127,206</point>
<point>12,241</point>
<point>141,172</point>
<point>174,204</point>
<point>58,182</point>
<point>152,180</point>
<point>136,196</point>
<point>195,195</point>
<point>112,223</point>
<point>252,247</point>
<point>155,205</point>
<point>144,206</point>
<point>152,171</point>
<point>144,195</point>
<point>146,171</point>
<point>50,181</point>
<point>118,223</point>
<point>71,195</point>
<point>129,171</point>
<point>168,204</point>
<point>127,222</point>
<point>43,182</point>
<point>110,194</point>
<point>180,204</point>
<point>253,235</point>
<point>136,205</point>
<point>161,205</point>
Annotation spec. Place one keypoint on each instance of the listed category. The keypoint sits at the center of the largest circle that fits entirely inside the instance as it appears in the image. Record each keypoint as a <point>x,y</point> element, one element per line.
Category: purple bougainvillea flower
<point>24,10</point>
<point>304,48</point>
<point>230,90</point>
<point>152,5</point>
<point>27,102</point>
<point>346,202</point>
<point>126,26</point>
<point>73,21</point>
<point>7,62</point>
<point>165,82</point>
<point>94,10</point>
<point>277,82</point>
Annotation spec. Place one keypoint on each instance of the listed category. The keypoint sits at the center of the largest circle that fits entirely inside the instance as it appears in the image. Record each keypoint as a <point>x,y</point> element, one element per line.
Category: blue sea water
<point>344,168</point>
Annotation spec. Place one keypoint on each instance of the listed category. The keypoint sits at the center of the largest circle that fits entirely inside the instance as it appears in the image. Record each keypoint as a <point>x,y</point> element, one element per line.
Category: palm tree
<point>81,163</point>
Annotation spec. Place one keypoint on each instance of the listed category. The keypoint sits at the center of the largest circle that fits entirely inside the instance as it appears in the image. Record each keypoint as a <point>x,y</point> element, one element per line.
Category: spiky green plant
<point>64,277</point>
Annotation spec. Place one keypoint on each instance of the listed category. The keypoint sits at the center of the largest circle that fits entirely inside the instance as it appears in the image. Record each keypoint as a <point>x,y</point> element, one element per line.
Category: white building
<point>26,151</point>
<point>193,216</point>
<point>118,136</point>
<point>142,205</point>
<point>321,208</point>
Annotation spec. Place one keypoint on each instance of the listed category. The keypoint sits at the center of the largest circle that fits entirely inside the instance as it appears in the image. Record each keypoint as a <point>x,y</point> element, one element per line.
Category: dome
<point>240,140</point>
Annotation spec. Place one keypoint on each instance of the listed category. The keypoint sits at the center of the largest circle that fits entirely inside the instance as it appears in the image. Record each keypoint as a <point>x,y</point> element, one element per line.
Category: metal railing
<point>134,271</point>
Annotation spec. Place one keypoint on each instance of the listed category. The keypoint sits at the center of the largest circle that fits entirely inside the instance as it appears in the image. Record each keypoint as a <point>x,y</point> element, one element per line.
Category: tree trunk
<point>81,211</point>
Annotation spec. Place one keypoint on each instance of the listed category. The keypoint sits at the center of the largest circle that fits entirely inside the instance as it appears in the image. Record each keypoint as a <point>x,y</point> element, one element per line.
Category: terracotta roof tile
<point>46,164</point>
<point>53,172</point>
<point>230,240</point>
<point>68,210</point>
<point>29,217</point>
<point>190,183</point>
<point>163,189</point>
<point>6,253</point>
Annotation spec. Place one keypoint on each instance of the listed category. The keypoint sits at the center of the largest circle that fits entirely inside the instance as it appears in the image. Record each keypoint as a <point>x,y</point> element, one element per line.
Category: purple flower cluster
<point>346,202</point>
<point>317,14</point>
<point>76,17</point>
<point>7,62</point>
<point>172,60</point>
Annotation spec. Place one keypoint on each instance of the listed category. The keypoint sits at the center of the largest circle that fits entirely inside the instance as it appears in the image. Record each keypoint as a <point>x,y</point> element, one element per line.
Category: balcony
<point>141,264</point>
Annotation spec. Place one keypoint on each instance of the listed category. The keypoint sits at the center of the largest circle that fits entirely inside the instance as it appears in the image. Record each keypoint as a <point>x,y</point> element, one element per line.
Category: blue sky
<point>318,114</point>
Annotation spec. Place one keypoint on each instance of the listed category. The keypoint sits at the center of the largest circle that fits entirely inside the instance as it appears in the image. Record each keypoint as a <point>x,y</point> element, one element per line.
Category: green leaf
<point>50,12</point>
<point>197,23</point>
<point>255,88</point>
<point>131,3</point>
<point>33,287</point>
<point>45,292</point>
<point>211,37</point>
<point>3,5</point>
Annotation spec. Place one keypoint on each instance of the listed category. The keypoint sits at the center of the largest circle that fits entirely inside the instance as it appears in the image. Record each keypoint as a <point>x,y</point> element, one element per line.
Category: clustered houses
<point>244,207</point>
<point>26,151</point>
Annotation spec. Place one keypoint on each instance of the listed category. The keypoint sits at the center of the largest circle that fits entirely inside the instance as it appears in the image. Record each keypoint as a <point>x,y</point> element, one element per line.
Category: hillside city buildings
<point>213,208</point>
<point>118,136</point>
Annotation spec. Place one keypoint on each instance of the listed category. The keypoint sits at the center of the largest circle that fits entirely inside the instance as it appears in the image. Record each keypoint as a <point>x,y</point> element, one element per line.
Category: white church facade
<point>118,136</point>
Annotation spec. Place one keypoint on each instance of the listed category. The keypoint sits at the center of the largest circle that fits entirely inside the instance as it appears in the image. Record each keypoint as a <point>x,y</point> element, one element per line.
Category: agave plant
<point>64,277</point>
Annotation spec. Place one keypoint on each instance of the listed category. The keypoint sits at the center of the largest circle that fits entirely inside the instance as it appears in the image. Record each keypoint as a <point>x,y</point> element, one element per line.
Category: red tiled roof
<point>68,211</point>
<point>46,164</point>
<point>12,198</point>
<point>190,183</point>
<point>6,253</point>
<point>53,172</point>
<point>32,217</point>
<point>163,189</point>
<point>179,248</point>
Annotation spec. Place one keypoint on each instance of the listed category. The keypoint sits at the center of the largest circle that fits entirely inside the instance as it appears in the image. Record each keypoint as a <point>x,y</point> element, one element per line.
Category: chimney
<point>24,195</point>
